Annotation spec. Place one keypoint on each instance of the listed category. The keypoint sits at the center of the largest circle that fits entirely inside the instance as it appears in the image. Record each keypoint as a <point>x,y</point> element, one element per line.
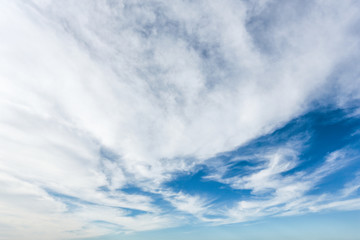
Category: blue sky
<point>185,119</point>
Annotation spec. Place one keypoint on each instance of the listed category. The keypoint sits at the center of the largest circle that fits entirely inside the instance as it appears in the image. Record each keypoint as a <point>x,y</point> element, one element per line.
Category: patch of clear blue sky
<point>319,226</point>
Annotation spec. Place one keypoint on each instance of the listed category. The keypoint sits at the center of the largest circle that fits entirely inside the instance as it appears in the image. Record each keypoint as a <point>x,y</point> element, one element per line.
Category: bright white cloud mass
<point>110,110</point>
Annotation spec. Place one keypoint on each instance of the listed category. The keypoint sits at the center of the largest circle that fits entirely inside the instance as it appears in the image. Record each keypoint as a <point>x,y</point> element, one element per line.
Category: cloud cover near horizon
<point>111,111</point>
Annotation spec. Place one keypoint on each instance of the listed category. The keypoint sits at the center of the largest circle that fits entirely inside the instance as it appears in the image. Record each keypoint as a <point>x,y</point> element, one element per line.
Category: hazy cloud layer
<point>103,102</point>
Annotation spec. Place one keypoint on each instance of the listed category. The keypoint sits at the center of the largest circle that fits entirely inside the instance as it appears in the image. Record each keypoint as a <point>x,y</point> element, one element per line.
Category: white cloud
<point>352,187</point>
<point>279,194</point>
<point>161,86</point>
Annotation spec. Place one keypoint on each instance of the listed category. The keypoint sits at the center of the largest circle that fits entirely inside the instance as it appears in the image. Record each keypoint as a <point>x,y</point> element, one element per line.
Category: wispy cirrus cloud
<point>99,97</point>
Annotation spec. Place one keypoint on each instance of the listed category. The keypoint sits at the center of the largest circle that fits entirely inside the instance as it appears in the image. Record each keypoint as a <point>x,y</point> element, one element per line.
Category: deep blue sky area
<point>321,131</point>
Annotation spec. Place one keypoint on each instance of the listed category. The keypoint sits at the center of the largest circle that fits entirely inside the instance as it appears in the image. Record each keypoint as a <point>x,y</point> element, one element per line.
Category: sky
<point>199,120</point>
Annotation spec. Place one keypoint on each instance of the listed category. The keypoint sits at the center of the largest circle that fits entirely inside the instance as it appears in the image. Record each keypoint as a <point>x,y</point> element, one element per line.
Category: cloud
<point>352,186</point>
<point>99,96</point>
<point>281,183</point>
